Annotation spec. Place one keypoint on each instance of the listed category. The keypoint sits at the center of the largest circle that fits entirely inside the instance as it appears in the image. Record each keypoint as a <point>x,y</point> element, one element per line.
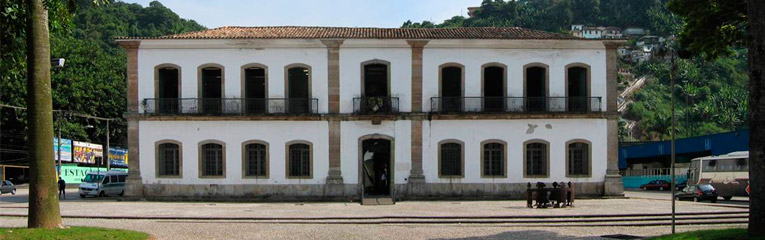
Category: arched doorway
<point>376,171</point>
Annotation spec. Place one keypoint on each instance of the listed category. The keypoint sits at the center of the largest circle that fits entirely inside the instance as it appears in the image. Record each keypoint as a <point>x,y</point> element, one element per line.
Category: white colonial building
<point>326,113</point>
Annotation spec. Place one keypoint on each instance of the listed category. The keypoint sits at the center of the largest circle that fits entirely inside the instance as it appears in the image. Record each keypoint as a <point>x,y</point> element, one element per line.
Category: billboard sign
<point>85,152</point>
<point>118,156</point>
<point>71,173</point>
<point>66,149</point>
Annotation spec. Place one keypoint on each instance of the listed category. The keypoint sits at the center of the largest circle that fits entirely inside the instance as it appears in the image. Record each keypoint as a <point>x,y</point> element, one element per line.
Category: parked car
<point>698,193</point>
<point>681,186</point>
<point>103,184</point>
<point>7,187</point>
<point>656,184</point>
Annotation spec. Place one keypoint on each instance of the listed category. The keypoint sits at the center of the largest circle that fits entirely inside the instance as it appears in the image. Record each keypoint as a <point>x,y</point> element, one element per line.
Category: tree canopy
<point>93,78</point>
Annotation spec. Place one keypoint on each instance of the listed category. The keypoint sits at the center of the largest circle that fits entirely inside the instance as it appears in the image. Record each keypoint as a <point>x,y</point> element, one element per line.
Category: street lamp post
<point>672,134</point>
<point>108,161</point>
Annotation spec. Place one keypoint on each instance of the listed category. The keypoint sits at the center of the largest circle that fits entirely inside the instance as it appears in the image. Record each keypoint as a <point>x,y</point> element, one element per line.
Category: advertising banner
<point>66,149</point>
<point>85,152</point>
<point>118,156</point>
<point>71,173</point>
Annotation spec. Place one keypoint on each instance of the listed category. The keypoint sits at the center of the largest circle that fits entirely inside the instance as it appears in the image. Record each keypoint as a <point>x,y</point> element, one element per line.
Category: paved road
<point>111,213</point>
<point>666,195</point>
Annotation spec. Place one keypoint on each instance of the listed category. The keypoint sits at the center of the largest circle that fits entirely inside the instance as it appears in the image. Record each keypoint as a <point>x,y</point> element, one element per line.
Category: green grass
<point>70,233</point>
<point>722,234</point>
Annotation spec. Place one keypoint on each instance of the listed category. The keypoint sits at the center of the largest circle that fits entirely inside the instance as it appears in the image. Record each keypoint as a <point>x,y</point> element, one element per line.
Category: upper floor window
<point>299,160</point>
<point>577,87</point>
<point>168,159</point>
<point>536,159</point>
<point>255,159</point>
<point>298,89</point>
<point>451,160</point>
<point>493,159</point>
<point>451,87</point>
<point>254,88</point>
<point>167,88</point>
<point>536,87</point>
<point>376,79</point>
<point>494,89</point>
<point>578,159</point>
<point>211,88</point>
<point>212,161</point>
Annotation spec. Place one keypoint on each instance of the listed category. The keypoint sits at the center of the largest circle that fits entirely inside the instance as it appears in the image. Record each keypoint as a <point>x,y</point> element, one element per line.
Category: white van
<point>103,184</point>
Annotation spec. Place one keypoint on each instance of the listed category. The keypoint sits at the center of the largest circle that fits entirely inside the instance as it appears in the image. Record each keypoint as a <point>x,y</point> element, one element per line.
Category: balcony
<point>375,105</point>
<point>515,105</point>
<point>230,106</point>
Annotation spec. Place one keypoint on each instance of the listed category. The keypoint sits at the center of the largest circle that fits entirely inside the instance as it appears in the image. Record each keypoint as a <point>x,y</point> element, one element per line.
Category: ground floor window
<point>536,159</point>
<point>168,159</point>
<point>299,160</point>
<point>493,159</point>
<point>578,159</point>
<point>255,160</point>
<point>450,160</point>
<point>212,160</point>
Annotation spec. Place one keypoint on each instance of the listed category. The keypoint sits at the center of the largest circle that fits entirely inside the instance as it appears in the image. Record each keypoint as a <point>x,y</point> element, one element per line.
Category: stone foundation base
<point>347,192</point>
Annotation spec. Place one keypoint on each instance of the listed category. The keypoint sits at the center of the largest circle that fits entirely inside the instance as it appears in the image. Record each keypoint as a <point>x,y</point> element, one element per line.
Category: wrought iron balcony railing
<point>375,105</point>
<point>515,104</point>
<point>229,106</point>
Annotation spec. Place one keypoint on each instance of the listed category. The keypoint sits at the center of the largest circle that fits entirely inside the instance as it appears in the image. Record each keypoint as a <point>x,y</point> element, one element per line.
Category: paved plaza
<point>404,220</point>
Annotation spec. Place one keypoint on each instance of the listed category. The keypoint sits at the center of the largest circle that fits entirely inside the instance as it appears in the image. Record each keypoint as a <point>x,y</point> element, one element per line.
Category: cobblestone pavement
<point>244,229</point>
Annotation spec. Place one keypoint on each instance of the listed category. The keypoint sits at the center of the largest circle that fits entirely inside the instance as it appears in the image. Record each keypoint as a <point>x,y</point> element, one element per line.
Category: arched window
<point>254,88</point>
<point>298,89</point>
<point>577,87</point>
<point>255,156</point>
<point>493,159</point>
<point>578,159</point>
<point>212,160</point>
<point>493,89</point>
<point>168,159</point>
<point>451,159</point>
<point>376,78</point>
<point>452,82</point>
<point>167,88</point>
<point>211,89</point>
<point>299,160</point>
<point>536,87</point>
<point>537,159</point>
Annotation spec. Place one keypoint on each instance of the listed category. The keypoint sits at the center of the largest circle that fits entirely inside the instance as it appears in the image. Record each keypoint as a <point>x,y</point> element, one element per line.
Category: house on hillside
<point>337,113</point>
<point>582,31</point>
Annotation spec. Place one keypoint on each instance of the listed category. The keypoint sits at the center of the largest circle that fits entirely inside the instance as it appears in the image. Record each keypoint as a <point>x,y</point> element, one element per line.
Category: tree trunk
<point>756,55</point>
<point>43,194</point>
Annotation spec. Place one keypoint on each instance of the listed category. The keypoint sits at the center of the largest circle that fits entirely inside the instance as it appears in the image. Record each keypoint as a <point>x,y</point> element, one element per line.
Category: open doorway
<point>376,167</point>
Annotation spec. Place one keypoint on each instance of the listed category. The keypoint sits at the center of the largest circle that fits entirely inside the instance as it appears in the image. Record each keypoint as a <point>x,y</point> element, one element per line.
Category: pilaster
<point>613,183</point>
<point>334,177</point>
<point>134,182</point>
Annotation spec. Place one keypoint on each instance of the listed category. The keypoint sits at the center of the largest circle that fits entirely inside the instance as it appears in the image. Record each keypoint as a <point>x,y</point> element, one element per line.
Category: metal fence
<point>229,106</point>
<point>515,104</point>
<point>654,172</point>
<point>375,105</point>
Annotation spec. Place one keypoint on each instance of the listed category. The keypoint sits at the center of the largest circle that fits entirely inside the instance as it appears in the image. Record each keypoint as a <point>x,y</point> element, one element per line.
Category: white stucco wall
<point>234,133</point>
<point>514,132</point>
<point>514,59</point>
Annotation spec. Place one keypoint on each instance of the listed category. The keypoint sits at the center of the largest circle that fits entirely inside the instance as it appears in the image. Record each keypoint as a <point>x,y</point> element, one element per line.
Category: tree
<point>43,198</point>
<point>712,28</point>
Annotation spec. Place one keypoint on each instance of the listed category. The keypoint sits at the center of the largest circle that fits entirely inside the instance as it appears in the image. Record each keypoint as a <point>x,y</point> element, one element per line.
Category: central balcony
<point>230,106</point>
<point>453,105</point>
<point>375,105</point>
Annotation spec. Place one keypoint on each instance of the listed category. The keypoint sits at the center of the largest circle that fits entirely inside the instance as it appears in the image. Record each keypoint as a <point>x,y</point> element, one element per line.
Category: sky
<point>333,13</point>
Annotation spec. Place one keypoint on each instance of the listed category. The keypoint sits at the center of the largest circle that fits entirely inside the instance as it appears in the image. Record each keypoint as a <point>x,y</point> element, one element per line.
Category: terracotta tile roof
<point>291,32</point>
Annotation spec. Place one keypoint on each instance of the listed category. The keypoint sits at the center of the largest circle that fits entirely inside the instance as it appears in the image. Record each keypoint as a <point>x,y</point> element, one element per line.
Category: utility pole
<point>108,162</point>
<point>672,141</point>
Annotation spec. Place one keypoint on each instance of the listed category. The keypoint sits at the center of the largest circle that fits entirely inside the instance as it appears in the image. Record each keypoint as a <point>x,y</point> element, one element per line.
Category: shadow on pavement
<point>528,234</point>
